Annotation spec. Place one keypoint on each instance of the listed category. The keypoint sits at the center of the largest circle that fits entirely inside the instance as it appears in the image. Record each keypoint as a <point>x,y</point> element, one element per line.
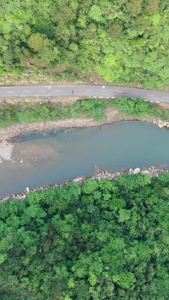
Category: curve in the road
<point>92,91</point>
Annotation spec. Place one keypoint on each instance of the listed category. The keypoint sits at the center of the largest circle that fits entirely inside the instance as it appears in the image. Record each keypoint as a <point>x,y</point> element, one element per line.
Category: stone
<point>27,189</point>
<point>145,172</point>
<point>79,179</point>
<point>136,171</point>
<point>130,171</point>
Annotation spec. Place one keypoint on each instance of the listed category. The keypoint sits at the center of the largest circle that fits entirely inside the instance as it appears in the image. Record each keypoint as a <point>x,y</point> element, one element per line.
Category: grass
<point>41,76</point>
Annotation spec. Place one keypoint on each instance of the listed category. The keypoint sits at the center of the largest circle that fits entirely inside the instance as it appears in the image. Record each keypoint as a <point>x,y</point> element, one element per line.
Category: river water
<point>54,157</point>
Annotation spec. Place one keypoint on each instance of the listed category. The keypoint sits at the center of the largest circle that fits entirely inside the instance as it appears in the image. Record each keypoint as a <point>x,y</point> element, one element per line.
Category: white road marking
<point>41,91</point>
<point>107,97</point>
<point>113,97</point>
<point>145,100</point>
<point>49,87</point>
<point>103,87</point>
<point>100,97</point>
<point>151,100</point>
<point>36,95</point>
<point>157,102</point>
<point>94,96</point>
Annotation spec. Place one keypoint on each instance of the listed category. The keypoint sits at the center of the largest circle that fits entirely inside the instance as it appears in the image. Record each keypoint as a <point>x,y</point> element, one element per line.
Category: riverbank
<point>111,115</point>
<point>152,170</point>
<point>22,116</point>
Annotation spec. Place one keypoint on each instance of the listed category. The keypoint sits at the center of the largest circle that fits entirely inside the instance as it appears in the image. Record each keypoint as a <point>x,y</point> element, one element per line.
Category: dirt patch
<point>165,105</point>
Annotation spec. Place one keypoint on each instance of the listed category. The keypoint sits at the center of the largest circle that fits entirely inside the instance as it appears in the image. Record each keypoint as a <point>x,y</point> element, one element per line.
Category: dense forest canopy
<point>102,240</point>
<point>125,41</point>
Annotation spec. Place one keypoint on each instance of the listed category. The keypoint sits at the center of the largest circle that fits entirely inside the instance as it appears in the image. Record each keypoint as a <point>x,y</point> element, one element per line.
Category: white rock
<point>136,171</point>
<point>27,189</point>
<point>145,172</point>
<point>6,150</point>
<point>130,171</point>
<point>78,179</point>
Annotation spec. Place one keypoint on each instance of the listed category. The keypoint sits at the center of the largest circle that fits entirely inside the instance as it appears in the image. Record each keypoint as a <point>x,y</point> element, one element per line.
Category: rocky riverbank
<point>152,170</point>
<point>111,115</point>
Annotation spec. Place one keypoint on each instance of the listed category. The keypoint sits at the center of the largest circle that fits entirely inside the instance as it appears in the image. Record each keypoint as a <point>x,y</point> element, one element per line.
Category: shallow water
<point>46,158</point>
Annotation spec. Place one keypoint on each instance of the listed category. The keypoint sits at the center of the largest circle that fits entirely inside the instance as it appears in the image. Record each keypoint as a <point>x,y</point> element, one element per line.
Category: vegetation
<point>103,240</point>
<point>139,108</point>
<point>124,41</point>
<point>12,114</point>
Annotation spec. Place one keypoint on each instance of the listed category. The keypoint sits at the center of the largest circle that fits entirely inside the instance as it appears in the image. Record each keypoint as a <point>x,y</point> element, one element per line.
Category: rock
<point>136,171</point>
<point>6,150</point>
<point>160,123</point>
<point>79,179</point>
<point>145,172</point>
<point>27,189</point>
<point>130,171</point>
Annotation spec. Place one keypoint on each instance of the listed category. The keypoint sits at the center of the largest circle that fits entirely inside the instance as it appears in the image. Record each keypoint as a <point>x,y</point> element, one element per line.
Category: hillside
<point>124,41</point>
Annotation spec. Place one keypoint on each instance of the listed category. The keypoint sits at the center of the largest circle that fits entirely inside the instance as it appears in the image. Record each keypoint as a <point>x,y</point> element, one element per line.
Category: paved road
<point>93,91</point>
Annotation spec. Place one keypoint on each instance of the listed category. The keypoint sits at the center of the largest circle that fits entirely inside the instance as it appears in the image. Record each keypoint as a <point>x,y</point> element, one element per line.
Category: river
<point>54,157</point>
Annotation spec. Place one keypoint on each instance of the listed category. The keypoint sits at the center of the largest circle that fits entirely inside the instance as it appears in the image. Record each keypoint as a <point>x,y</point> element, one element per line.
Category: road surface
<point>92,91</point>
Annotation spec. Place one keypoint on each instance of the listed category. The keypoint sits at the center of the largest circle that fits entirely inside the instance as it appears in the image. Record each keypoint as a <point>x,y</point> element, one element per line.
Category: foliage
<point>139,108</point>
<point>122,41</point>
<point>103,240</point>
<point>11,114</point>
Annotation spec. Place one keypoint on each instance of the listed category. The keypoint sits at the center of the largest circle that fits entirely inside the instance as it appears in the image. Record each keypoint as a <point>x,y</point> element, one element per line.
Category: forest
<point>100,240</point>
<point>122,41</point>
